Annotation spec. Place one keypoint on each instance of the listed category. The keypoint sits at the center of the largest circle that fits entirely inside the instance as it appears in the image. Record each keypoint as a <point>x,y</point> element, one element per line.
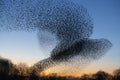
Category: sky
<point>25,46</point>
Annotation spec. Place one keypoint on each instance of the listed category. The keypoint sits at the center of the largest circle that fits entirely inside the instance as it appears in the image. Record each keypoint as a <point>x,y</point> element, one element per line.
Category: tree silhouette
<point>85,77</point>
<point>5,66</point>
<point>23,69</point>
<point>116,74</point>
<point>101,75</point>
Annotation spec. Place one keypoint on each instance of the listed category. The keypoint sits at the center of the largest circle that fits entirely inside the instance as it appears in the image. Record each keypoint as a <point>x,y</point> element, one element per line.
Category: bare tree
<point>85,77</point>
<point>23,69</point>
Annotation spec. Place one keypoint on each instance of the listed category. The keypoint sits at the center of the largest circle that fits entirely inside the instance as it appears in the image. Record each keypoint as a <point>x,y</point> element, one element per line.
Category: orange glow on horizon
<point>76,73</point>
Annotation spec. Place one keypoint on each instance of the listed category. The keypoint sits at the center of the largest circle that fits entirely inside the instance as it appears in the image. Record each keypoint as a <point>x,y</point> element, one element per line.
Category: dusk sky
<point>25,46</point>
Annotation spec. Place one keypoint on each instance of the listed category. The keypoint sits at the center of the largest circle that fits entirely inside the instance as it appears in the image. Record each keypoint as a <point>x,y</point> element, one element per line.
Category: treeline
<point>10,71</point>
<point>101,75</point>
